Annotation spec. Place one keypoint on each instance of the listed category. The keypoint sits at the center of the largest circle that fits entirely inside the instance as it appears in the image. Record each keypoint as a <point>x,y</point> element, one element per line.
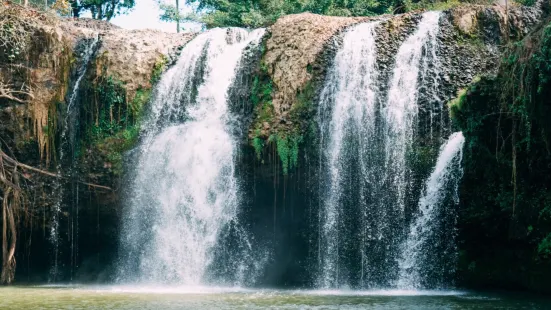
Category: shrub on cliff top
<point>256,13</point>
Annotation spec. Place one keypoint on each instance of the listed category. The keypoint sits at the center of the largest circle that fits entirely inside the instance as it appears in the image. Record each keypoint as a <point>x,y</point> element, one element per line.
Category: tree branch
<point>7,92</point>
<point>12,161</point>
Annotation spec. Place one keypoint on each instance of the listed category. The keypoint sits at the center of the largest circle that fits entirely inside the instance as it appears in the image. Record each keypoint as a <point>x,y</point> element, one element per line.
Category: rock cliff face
<point>42,71</point>
<point>296,42</point>
<point>75,119</point>
<point>300,48</point>
<point>42,62</point>
<point>469,45</point>
<point>130,56</point>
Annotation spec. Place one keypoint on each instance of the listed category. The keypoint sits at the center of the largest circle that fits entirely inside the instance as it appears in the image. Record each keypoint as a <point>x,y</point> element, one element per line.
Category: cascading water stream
<point>364,145</point>
<point>401,108</point>
<point>347,112</point>
<point>184,191</point>
<point>421,252</point>
<point>399,131</point>
<point>67,140</point>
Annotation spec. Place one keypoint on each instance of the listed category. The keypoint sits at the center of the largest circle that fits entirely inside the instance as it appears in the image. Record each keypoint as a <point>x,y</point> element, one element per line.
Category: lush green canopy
<point>107,9</point>
<point>100,9</point>
<point>256,13</point>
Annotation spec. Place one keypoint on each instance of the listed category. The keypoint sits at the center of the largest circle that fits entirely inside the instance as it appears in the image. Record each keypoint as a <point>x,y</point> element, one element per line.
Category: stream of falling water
<point>67,140</point>
<point>364,147</point>
<point>422,251</point>
<point>184,191</point>
<point>401,109</point>
<point>400,124</point>
<point>347,112</point>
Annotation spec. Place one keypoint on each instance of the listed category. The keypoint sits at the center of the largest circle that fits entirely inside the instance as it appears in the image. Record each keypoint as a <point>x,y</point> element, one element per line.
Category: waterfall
<point>184,191</point>
<point>364,144</point>
<point>426,246</point>
<point>401,109</point>
<point>346,116</point>
<point>68,135</point>
<point>399,133</point>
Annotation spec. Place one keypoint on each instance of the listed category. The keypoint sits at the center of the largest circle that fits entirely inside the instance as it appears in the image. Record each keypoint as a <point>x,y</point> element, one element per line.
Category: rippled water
<point>121,297</point>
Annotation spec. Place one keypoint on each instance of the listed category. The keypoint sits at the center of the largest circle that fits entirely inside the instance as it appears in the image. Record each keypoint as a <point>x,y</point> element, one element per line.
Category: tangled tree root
<point>15,207</point>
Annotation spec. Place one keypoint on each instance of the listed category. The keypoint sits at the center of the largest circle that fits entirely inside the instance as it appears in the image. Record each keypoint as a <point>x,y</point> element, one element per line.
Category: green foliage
<point>258,145</point>
<point>286,135</point>
<point>111,95</point>
<point>138,104</point>
<point>455,105</point>
<point>158,69</point>
<point>257,13</point>
<point>287,144</point>
<point>114,122</point>
<point>472,40</point>
<point>288,150</point>
<point>542,61</point>
<point>544,248</point>
<point>105,9</point>
<point>15,38</point>
<point>505,120</point>
<point>262,89</point>
<point>170,12</point>
<point>112,147</point>
<point>261,98</point>
<point>526,2</point>
<point>527,96</point>
<point>433,5</point>
<point>302,108</point>
<point>288,138</point>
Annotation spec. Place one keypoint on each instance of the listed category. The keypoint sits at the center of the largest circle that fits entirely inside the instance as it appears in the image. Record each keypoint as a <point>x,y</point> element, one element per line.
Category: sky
<point>144,15</point>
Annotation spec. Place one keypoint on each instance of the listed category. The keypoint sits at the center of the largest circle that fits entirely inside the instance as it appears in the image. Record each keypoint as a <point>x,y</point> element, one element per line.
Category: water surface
<point>140,298</point>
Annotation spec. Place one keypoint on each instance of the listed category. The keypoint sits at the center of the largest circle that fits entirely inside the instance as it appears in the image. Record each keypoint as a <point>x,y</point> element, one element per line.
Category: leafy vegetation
<point>303,107</point>
<point>288,149</point>
<point>544,248</point>
<point>456,104</point>
<point>257,13</point>
<point>258,145</point>
<point>288,138</point>
<point>104,9</point>
<point>261,92</point>
<point>435,5</point>
<point>98,9</point>
<point>112,123</point>
<point>111,129</point>
<point>505,198</point>
<point>261,98</point>
<point>171,12</point>
<point>15,33</point>
<point>527,2</point>
<point>158,69</point>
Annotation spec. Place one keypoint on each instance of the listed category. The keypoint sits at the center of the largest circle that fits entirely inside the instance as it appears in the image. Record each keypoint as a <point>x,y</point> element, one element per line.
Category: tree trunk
<point>110,10</point>
<point>94,12</point>
<point>178,16</point>
<point>100,12</point>
<point>8,221</point>
<point>75,8</point>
